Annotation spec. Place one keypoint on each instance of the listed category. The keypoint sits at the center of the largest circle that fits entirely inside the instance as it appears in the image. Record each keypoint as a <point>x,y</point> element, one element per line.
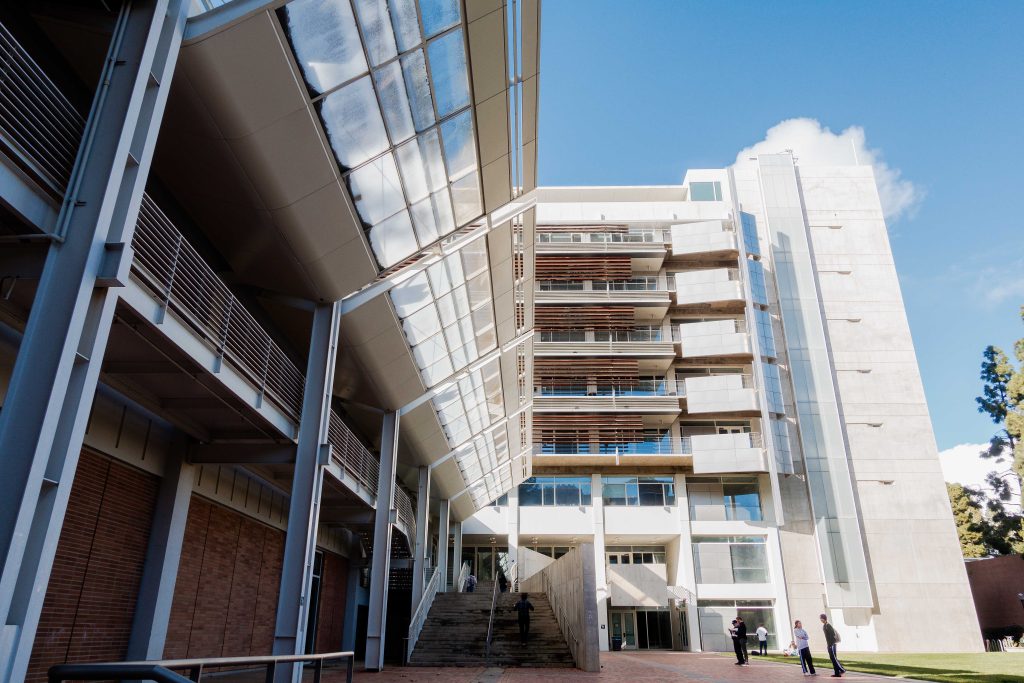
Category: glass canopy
<point>390,83</point>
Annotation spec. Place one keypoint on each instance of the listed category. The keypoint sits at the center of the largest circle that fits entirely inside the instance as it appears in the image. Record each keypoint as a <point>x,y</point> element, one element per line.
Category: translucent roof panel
<point>394,101</point>
<point>471,404</point>
<point>447,313</point>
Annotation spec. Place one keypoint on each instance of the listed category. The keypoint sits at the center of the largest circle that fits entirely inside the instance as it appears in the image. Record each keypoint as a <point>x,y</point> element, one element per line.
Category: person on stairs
<point>523,608</point>
<point>502,582</point>
<point>470,583</point>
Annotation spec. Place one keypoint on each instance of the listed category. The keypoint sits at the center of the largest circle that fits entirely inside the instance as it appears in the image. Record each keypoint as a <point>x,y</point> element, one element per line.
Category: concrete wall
<point>638,585</point>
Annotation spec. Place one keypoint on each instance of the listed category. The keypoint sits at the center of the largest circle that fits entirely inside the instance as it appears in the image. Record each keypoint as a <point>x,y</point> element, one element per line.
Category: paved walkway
<point>621,667</point>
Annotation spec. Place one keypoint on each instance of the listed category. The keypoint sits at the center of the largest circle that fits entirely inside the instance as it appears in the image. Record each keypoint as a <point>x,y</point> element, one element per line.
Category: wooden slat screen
<point>598,368</point>
<point>569,268</point>
<point>576,428</point>
<point>583,228</point>
<point>584,317</point>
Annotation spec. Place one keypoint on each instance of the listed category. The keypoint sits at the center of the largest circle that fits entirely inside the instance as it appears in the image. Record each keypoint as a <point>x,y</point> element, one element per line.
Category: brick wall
<point>225,597</point>
<point>90,600</point>
<point>995,583</point>
<point>331,617</point>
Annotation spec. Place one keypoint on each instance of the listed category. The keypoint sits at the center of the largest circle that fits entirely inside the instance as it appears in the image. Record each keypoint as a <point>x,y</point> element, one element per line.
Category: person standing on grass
<point>831,638</point>
<point>523,608</point>
<point>802,643</point>
<point>762,640</point>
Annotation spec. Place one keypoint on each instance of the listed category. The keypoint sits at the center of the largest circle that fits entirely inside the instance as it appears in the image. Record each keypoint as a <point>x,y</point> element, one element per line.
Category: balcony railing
<point>645,236</point>
<point>638,334</point>
<point>636,284</point>
<point>677,336</point>
<point>404,505</point>
<point>41,127</point>
<point>642,387</point>
<point>666,445</point>
<point>352,455</point>
<point>179,278</point>
<point>38,125</point>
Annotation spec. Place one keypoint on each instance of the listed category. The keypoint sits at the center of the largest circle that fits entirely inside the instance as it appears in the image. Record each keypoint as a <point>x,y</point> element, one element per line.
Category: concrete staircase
<point>455,633</point>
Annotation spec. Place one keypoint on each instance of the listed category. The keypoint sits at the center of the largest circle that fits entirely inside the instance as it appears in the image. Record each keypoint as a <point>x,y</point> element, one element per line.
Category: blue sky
<point>637,92</point>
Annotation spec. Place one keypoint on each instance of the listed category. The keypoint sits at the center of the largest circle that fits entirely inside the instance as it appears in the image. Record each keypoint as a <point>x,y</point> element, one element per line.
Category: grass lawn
<point>986,667</point>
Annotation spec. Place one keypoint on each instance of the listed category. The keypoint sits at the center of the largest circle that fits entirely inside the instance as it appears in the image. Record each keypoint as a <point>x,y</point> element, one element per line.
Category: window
<point>555,491</point>
<point>714,615</point>
<point>730,559</point>
<point>648,491</point>
<point>635,554</point>
<point>722,499</point>
<point>758,290</point>
<point>706,192</point>
<point>750,241</point>
<point>499,502</point>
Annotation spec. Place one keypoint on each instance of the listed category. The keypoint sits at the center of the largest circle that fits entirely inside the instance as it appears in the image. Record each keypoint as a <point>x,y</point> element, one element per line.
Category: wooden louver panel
<point>583,228</point>
<point>594,368</point>
<point>569,268</point>
<point>584,317</point>
<point>576,428</point>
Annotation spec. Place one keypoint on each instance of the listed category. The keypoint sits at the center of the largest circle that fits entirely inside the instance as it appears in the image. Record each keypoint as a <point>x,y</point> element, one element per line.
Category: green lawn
<point>986,667</point>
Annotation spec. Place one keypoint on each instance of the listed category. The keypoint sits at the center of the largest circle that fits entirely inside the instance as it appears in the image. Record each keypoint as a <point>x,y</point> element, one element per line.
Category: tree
<point>970,523</point>
<point>1002,400</point>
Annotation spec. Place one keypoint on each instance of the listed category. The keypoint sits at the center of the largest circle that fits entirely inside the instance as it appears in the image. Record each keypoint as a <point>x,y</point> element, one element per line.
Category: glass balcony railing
<point>632,237</point>
<point>754,440</point>
<point>643,387</point>
<point>637,334</point>
<point>664,445</point>
<point>636,284</point>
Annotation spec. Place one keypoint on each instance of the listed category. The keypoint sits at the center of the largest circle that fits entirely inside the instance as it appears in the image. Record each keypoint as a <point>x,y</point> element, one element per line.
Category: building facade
<point>728,406</point>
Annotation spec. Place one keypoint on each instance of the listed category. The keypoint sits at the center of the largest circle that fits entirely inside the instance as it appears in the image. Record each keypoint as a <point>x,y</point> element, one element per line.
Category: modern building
<point>727,404</point>
<point>265,309</point>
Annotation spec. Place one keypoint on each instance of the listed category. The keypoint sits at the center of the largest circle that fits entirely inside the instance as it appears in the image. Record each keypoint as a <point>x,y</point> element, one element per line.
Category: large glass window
<point>649,491</point>
<point>730,559</point>
<point>724,499</point>
<point>706,192</point>
<point>555,491</point>
<point>715,616</point>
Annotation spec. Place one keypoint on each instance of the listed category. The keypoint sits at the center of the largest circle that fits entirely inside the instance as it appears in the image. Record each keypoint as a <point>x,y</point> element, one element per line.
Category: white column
<point>442,543</point>
<point>600,575</point>
<point>419,557</point>
<point>383,525</point>
<point>513,525</point>
<point>685,574</point>
<point>456,554</point>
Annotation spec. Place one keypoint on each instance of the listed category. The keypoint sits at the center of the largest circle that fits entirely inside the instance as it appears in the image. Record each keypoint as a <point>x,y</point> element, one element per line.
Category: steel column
<point>312,454</point>
<point>456,555</point>
<point>57,367</point>
<point>419,558</point>
<point>383,525</point>
<point>156,590</point>
<point>443,520</point>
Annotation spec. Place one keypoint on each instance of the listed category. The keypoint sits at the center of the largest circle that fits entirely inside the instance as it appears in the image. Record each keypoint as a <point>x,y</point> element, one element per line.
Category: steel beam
<point>422,523</point>
<point>382,528</point>
<point>311,455</point>
<point>241,454</point>
<point>57,367</point>
<point>443,532</point>
<point>156,590</point>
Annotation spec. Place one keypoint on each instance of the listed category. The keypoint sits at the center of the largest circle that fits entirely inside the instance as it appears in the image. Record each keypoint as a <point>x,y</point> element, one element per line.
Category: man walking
<point>523,608</point>
<point>831,638</point>
<point>762,640</point>
<point>802,642</point>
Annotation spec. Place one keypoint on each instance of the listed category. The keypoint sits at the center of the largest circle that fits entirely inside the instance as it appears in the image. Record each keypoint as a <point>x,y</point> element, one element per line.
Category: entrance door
<point>623,626</point>
<point>484,564</point>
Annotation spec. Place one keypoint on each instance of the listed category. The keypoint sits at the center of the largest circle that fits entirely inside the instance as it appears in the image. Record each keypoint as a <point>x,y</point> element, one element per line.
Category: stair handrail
<point>419,617</point>
<point>490,620</point>
<point>460,583</point>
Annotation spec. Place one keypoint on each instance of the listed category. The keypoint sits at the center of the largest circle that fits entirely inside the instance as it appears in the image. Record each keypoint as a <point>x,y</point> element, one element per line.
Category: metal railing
<point>490,619</point>
<point>38,125</point>
<point>164,671</point>
<point>419,617</point>
<point>644,236</point>
<point>181,281</point>
<point>41,127</point>
<point>665,445</point>
<point>352,455</point>
<point>642,387</point>
<point>635,284</point>
<point>404,505</point>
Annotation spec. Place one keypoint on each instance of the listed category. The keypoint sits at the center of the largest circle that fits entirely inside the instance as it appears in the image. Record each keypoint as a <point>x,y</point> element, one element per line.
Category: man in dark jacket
<point>831,638</point>
<point>741,642</point>
<point>523,608</point>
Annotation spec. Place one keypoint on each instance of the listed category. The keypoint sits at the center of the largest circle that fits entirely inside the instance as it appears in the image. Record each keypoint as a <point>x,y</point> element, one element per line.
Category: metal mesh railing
<point>37,123</point>
<point>181,280</point>
<point>352,455</point>
<point>404,505</point>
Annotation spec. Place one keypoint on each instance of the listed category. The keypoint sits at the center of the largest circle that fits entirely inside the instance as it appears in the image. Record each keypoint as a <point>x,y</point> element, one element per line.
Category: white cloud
<point>963,464</point>
<point>816,145</point>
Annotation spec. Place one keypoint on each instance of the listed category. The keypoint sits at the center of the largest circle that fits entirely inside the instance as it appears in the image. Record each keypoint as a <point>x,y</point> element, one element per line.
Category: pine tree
<point>970,524</point>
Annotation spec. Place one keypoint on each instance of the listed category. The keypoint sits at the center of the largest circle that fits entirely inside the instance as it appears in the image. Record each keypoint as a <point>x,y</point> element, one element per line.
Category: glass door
<point>623,626</point>
<point>484,564</point>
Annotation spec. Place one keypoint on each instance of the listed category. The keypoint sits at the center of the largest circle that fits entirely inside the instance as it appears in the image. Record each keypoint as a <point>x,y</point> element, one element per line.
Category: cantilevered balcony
<point>656,447</point>
<point>714,338</point>
<point>637,291</point>
<point>726,453</point>
<point>711,286</point>
<point>704,237</point>
<point>731,393</point>
<point>647,342</point>
<point>643,396</point>
<point>639,244</point>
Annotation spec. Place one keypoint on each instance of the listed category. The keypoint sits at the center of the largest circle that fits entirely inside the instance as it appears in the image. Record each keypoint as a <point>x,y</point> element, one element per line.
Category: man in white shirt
<point>801,641</point>
<point>762,639</point>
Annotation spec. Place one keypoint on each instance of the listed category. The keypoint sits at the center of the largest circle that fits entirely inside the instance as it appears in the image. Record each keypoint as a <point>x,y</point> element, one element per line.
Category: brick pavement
<point>622,667</point>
